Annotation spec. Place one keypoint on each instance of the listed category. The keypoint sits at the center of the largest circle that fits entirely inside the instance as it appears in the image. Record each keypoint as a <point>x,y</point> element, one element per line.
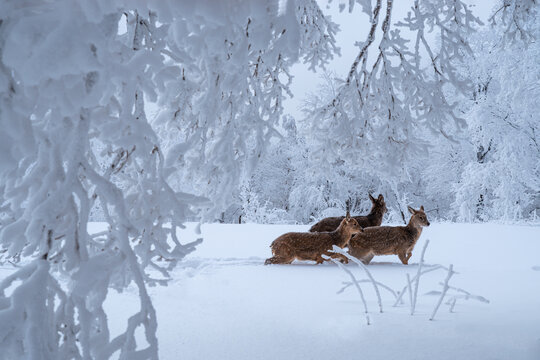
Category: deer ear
<point>422,207</point>
<point>371,198</point>
<point>380,197</point>
<point>411,210</point>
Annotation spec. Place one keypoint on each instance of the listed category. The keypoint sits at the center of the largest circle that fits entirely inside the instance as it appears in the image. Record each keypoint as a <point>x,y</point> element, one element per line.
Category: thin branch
<point>356,284</point>
<point>364,267</point>
<point>443,294</point>
<point>411,297</point>
<point>418,274</point>
<point>434,268</point>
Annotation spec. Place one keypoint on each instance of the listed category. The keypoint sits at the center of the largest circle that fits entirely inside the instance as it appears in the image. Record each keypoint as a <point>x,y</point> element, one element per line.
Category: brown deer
<point>311,246</point>
<point>388,240</point>
<point>374,218</point>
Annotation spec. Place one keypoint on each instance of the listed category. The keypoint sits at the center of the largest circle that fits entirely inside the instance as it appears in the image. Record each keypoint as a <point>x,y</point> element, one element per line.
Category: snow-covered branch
<point>390,97</point>
<point>77,81</point>
<point>515,15</point>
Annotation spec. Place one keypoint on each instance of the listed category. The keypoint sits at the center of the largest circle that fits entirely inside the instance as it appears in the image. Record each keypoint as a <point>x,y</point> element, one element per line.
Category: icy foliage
<point>68,86</point>
<point>501,177</point>
<point>373,130</point>
<point>514,17</point>
<point>74,90</point>
<point>389,96</point>
<point>226,96</point>
<point>78,80</point>
<point>447,119</point>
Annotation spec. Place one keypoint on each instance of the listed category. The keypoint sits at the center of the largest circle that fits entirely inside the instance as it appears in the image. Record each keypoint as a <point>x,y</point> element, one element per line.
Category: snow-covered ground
<point>223,303</point>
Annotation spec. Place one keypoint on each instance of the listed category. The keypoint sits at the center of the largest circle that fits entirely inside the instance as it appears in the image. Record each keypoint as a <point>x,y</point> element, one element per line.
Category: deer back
<point>389,239</point>
<point>374,218</point>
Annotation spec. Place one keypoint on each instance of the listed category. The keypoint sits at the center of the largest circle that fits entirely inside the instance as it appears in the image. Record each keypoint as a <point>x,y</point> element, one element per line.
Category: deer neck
<point>376,213</point>
<point>414,228</point>
<point>344,235</point>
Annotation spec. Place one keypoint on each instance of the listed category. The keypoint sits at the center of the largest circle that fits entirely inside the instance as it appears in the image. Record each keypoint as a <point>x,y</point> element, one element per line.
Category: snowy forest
<point>449,120</point>
<point>145,115</point>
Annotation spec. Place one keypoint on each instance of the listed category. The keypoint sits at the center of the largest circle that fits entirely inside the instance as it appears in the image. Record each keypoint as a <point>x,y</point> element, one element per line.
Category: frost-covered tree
<point>71,84</point>
<point>226,106</point>
<point>389,95</point>
<point>396,91</point>
<point>76,79</point>
<point>461,105</point>
<point>266,194</point>
<point>515,20</point>
<point>501,176</point>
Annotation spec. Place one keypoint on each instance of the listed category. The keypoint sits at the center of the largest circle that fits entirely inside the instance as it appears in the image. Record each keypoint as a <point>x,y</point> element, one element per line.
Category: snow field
<point>223,303</point>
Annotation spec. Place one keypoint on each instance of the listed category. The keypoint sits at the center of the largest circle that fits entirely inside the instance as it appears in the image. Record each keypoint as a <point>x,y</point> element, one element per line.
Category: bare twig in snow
<point>418,274</point>
<point>411,297</point>
<point>452,304</point>
<point>386,287</point>
<point>344,268</point>
<point>361,264</point>
<point>445,289</point>
<point>433,268</point>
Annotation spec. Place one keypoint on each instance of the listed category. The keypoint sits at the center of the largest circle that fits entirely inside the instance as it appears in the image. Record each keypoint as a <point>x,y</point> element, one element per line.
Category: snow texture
<point>224,303</point>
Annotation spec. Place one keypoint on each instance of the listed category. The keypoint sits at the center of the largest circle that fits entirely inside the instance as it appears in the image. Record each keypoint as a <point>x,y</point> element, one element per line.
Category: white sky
<point>354,27</point>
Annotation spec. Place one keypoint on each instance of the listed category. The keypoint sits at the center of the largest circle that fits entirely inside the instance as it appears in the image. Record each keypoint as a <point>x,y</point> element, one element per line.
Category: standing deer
<point>374,218</point>
<point>311,246</point>
<point>388,240</point>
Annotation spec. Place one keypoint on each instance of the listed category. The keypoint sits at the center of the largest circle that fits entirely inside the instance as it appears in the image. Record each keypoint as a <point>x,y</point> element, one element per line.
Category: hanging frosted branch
<point>362,56</point>
<point>514,16</point>
<point>78,135</point>
<point>318,34</point>
<point>34,279</point>
<point>220,112</point>
<point>388,98</point>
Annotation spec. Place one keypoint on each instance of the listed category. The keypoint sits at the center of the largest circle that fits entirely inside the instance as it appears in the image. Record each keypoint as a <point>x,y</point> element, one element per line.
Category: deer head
<point>378,204</point>
<point>349,225</point>
<point>418,217</point>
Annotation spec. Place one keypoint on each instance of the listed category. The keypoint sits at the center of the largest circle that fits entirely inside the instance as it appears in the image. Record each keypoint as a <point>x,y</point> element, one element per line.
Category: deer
<point>312,245</point>
<point>374,218</point>
<point>389,240</point>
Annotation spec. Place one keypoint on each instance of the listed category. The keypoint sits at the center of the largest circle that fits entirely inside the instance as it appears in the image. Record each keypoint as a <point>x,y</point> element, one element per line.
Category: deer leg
<point>278,260</point>
<point>341,258</point>
<point>319,259</point>
<point>333,255</point>
<point>366,259</point>
<point>408,256</point>
<point>404,259</point>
